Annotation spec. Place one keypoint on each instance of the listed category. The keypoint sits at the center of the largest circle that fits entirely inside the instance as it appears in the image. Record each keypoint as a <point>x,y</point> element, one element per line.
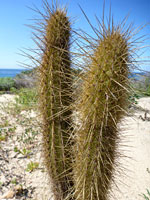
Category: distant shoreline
<point>10,72</point>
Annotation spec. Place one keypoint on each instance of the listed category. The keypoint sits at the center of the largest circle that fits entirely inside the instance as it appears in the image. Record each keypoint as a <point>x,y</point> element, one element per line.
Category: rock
<point>17,190</point>
<point>9,195</point>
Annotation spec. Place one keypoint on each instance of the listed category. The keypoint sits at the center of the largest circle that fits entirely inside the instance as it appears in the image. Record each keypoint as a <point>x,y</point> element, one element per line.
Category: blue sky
<point>14,14</point>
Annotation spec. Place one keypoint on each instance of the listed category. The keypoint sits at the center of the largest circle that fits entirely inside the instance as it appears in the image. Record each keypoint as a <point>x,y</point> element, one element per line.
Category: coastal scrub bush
<point>26,79</point>
<point>6,83</point>
<point>140,85</point>
<point>27,72</point>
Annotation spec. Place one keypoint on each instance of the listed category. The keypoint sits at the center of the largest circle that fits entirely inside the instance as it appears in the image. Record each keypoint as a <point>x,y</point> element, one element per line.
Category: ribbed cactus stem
<point>100,106</point>
<point>55,99</point>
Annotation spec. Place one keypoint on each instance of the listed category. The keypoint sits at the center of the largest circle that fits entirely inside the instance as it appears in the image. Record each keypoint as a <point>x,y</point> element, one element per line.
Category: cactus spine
<point>55,99</point>
<point>101,105</point>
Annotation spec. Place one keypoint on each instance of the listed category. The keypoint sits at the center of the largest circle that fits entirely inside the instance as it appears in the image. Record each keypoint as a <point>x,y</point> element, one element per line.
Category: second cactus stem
<point>101,105</point>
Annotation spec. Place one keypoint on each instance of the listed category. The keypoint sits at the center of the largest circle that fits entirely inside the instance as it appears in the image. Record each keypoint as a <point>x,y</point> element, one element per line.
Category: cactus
<point>55,99</point>
<point>100,106</point>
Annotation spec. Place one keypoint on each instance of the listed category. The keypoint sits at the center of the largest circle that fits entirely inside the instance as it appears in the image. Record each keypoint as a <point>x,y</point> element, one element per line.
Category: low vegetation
<point>26,98</point>
<point>6,84</point>
<point>140,88</point>
<point>26,79</point>
<point>20,135</point>
<point>147,195</point>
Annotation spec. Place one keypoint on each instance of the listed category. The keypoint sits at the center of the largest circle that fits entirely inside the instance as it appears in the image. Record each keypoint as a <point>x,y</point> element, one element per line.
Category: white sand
<point>6,98</point>
<point>135,179</point>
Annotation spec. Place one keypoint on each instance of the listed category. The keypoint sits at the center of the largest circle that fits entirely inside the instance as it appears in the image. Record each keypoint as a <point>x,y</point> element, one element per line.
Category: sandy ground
<point>133,180</point>
<point>22,130</point>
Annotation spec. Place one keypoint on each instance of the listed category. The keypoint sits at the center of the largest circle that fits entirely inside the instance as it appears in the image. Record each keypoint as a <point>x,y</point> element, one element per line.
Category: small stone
<point>18,189</point>
<point>9,195</point>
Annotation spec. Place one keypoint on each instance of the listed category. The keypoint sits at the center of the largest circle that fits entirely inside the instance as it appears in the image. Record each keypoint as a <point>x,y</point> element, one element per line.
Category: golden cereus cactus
<point>101,104</point>
<point>55,100</point>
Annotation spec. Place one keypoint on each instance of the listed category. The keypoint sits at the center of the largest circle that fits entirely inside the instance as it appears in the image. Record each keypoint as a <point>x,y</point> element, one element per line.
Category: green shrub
<point>26,79</point>
<point>6,83</point>
<point>141,87</point>
<point>26,72</point>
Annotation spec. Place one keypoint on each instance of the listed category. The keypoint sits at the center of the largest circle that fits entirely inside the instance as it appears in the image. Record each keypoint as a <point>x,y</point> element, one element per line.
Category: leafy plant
<point>32,166</point>
<point>146,196</point>
<point>24,151</point>
<point>14,181</point>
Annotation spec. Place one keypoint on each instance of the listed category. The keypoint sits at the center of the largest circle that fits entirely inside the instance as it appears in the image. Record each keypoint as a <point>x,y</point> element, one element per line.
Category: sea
<point>10,72</point>
<point>14,72</point>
